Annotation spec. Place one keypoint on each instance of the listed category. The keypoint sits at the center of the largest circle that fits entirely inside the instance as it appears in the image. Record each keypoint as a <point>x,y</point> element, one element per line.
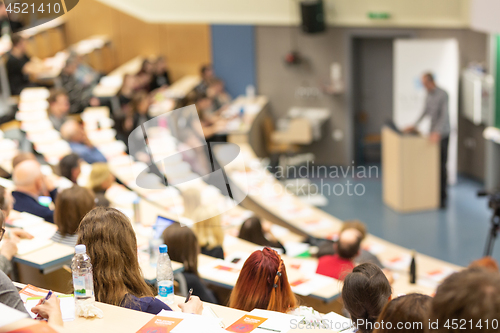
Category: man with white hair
<point>73,132</point>
<point>30,185</point>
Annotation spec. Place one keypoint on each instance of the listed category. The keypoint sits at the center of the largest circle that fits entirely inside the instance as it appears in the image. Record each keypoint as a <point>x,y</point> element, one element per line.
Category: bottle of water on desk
<point>83,281</point>
<point>165,276</point>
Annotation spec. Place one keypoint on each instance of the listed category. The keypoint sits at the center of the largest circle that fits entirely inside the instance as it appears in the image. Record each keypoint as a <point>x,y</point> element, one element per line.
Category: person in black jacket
<point>183,247</point>
<point>18,67</point>
<point>161,76</point>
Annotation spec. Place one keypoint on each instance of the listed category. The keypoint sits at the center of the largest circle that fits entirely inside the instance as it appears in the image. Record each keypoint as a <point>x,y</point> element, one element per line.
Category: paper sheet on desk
<point>317,224</point>
<point>26,246</point>
<point>308,285</point>
<point>193,323</point>
<point>222,270</point>
<point>276,321</point>
<point>401,262</point>
<point>26,220</point>
<point>67,303</point>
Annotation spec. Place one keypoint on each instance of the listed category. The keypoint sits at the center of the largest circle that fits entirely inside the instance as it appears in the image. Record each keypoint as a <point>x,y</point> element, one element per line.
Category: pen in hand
<point>49,294</point>
<point>189,295</point>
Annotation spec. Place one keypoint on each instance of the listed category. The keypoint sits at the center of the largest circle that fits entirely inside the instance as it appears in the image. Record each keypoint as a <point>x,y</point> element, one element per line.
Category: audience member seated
<point>73,132</point>
<point>365,293</point>
<point>207,75</point>
<point>85,74</point>
<point>364,256</point>
<point>145,75</point>
<point>100,178</point>
<point>485,262</point>
<point>58,108</point>
<point>263,284</point>
<point>135,114</point>
<point>208,229</point>
<point>9,295</point>
<point>10,236</point>
<point>340,264</point>
<point>211,124</point>
<point>161,77</point>
<point>72,205</point>
<point>30,184</point>
<point>69,167</point>
<point>253,231</point>
<point>129,87</point>
<point>80,95</point>
<point>183,247</point>
<point>411,311</point>
<point>472,297</point>
<point>218,94</point>
<point>18,66</point>
<point>112,246</point>
<point>49,310</point>
<point>191,198</point>
<point>139,109</point>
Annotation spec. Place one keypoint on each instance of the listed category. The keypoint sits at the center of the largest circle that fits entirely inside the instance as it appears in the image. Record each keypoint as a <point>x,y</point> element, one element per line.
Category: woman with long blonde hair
<point>112,247</point>
<point>208,229</point>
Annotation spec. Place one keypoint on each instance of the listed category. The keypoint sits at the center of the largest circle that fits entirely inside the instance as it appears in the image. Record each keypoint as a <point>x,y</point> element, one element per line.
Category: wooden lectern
<point>411,172</point>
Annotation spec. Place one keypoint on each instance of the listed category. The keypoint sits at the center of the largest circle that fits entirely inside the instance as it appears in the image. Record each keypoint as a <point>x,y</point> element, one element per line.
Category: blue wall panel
<point>233,54</point>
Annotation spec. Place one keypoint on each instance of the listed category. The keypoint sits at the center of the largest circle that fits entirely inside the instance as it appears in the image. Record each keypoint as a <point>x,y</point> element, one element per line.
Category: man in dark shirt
<point>30,185</point>
<point>17,66</point>
<point>207,75</point>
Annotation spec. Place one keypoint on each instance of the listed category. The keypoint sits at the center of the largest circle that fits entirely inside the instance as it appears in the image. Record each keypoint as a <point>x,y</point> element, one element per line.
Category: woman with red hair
<point>263,284</point>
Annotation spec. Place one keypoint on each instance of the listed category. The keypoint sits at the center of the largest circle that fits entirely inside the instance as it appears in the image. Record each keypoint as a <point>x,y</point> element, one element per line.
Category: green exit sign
<point>379,15</point>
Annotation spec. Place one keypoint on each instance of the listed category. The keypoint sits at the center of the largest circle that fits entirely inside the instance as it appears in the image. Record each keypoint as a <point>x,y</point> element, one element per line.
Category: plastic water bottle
<point>83,282</point>
<point>165,276</point>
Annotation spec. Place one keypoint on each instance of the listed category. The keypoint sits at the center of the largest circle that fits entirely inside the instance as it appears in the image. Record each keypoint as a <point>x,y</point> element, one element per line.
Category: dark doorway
<point>372,95</point>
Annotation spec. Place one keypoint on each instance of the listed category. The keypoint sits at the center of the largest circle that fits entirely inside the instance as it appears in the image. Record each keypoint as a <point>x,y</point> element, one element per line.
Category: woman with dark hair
<point>145,75</point>
<point>405,314</point>
<point>263,284</point>
<point>183,247</point>
<point>112,247</point>
<point>72,205</point>
<point>252,231</point>
<point>69,167</point>
<point>365,293</point>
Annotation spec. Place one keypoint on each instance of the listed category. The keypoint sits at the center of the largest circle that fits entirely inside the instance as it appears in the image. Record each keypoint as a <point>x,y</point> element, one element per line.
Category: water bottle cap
<point>79,249</point>
<point>163,248</point>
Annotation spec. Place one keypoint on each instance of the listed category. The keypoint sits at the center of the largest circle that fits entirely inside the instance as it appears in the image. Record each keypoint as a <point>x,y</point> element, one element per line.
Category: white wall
<point>484,15</point>
<point>404,13</point>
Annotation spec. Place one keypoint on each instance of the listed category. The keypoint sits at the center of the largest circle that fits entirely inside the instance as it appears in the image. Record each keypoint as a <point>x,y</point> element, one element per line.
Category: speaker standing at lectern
<point>436,106</point>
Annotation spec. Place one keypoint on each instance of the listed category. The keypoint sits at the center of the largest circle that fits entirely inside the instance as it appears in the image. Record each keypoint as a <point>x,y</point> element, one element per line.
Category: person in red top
<point>341,263</point>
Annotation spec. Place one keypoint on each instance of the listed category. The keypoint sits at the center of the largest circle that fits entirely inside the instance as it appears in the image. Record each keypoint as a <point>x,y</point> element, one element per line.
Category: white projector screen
<point>412,58</point>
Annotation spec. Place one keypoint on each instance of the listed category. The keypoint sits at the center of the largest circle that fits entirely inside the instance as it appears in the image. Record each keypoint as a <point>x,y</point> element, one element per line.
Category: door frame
<point>350,35</point>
